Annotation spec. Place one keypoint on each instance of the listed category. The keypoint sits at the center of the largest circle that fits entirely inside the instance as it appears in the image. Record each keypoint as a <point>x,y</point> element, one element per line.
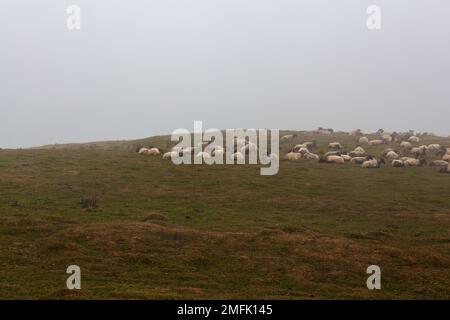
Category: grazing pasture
<point>140,227</point>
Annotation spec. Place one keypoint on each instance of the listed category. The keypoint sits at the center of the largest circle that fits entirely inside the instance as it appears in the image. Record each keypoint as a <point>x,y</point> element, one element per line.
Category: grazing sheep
<point>356,132</point>
<point>363,140</point>
<point>332,159</point>
<point>358,160</point>
<point>169,155</point>
<point>376,142</point>
<point>307,145</point>
<point>359,149</point>
<point>301,150</point>
<point>358,152</point>
<point>414,139</point>
<point>324,131</point>
<point>310,156</point>
<point>387,138</point>
<point>374,163</point>
<point>401,136</point>
<point>288,137</point>
<point>149,151</point>
<point>447,151</point>
<point>346,157</point>
<point>397,163</point>
<point>412,162</point>
<point>439,163</point>
<point>334,145</point>
<point>446,157</point>
<point>423,148</point>
<point>417,151</point>
<point>406,144</point>
<point>292,156</point>
<point>437,149</point>
<point>386,151</point>
<point>332,153</point>
<point>143,150</point>
<point>391,155</point>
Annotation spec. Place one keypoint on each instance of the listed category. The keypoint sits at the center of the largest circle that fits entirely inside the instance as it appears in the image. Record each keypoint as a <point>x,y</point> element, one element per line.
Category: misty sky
<point>139,68</point>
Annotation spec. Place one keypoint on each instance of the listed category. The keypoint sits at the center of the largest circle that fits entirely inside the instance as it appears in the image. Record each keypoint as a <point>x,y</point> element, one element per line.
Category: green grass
<point>167,232</point>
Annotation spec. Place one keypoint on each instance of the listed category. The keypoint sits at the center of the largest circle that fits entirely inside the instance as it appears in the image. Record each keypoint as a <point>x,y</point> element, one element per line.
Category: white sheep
<point>414,139</point>
<point>169,155</point>
<point>439,163</point>
<point>417,151</point>
<point>334,145</point>
<point>358,160</point>
<point>150,151</point>
<point>397,163</point>
<point>412,162</point>
<point>143,150</point>
<point>346,157</point>
<point>292,156</point>
<point>356,132</point>
<point>436,148</point>
<point>387,138</point>
<point>391,155</point>
<point>446,157</point>
<point>301,150</point>
<point>310,156</point>
<point>288,137</point>
<point>307,145</point>
<point>363,140</point>
<point>373,163</point>
<point>406,144</point>
<point>445,170</point>
<point>376,142</point>
<point>332,159</point>
<point>359,149</point>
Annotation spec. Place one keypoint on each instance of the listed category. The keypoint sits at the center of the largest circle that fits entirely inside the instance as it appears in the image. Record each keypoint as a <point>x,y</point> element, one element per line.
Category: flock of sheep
<point>414,155</point>
<point>198,151</point>
<point>409,154</point>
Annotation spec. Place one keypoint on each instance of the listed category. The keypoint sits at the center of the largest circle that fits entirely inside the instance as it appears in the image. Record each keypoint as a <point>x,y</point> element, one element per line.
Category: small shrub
<point>89,203</point>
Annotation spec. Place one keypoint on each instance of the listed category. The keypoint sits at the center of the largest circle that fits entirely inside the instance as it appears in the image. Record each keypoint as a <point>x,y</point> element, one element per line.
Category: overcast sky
<point>138,68</point>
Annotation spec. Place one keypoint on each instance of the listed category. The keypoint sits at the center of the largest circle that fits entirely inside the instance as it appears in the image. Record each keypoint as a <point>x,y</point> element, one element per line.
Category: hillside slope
<point>196,231</point>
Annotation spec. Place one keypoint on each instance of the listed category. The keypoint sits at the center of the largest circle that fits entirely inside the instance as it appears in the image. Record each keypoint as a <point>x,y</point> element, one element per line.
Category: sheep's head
<point>138,148</point>
<point>422,162</point>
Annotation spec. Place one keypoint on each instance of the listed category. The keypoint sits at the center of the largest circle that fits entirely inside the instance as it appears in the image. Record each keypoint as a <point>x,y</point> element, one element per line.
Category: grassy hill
<point>190,231</point>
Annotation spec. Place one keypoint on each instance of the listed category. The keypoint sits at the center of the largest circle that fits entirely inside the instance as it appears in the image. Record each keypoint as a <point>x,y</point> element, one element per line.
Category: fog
<point>138,68</point>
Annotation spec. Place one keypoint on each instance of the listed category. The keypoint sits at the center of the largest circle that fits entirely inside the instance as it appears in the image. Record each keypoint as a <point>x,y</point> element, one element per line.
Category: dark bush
<point>89,203</point>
